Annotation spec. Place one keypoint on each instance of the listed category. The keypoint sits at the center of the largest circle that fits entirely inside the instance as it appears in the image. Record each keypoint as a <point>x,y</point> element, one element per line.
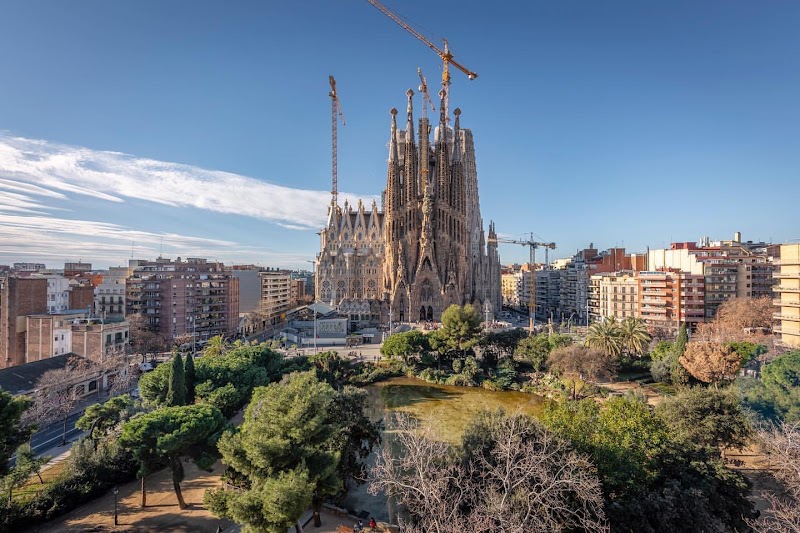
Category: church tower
<point>436,252</point>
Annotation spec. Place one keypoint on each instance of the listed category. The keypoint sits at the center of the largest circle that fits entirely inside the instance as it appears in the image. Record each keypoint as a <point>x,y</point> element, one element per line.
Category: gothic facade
<point>427,250</point>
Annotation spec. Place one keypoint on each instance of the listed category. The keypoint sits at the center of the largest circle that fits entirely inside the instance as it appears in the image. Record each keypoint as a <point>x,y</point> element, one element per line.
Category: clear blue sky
<point>192,126</point>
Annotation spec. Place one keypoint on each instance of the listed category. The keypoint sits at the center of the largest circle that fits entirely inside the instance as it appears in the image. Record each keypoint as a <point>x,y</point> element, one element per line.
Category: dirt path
<point>161,514</point>
<point>623,387</point>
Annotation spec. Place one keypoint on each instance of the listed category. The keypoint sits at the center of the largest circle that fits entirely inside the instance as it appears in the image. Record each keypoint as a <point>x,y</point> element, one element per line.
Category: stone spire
<point>393,158</point>
<point>410,117</point>
<point>457,136</point>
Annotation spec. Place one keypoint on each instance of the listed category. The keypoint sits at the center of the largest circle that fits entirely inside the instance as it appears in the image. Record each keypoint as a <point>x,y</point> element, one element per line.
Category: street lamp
<point>116,520</point>
<point>314,271</point>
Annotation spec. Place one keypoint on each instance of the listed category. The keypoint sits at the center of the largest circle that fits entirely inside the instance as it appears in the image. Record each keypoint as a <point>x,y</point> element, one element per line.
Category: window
<point>108,338</point>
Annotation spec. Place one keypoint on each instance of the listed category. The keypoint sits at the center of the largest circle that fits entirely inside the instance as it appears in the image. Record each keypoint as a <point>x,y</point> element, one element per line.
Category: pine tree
<point>176,393</point>
<point>189,377</point>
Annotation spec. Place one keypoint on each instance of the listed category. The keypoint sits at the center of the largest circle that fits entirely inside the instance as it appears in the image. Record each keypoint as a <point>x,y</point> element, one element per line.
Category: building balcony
<point>784,303</point>
<point>779,288</point>
<point>785,261</point>
<point>786,275</point>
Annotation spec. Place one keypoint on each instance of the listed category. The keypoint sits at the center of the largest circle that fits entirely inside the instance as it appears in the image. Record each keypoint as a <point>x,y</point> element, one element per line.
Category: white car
<point>147,367</point>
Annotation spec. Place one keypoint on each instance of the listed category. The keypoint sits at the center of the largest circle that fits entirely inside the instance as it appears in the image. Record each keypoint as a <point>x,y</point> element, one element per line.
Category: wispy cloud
<point>43,183</point>
<point>40,168</point>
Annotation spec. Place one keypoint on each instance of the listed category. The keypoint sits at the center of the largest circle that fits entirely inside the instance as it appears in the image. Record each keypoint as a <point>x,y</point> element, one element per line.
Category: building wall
<point>788,295</point>
<point>81,297</point>
<point>613,295</point>
<point>49,335</point>
<point>57,294</point>
<point>109,299</point>
<point>249,288</point>
<point>19,297</point>
<point>667,299</point>
<point>275,294</point>
<point>98,340</point>
<point>193,297</point>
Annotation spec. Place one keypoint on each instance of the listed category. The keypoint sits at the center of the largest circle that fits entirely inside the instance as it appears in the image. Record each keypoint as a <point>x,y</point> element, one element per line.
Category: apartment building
<point>275,294</point>
<point>668,298</point>
<point>731,269</point>
<point>787,294</point>
<point>194,297</point>
<point>19,297</point>
<point>109,299</point>
<point>50,335</point>
<point>613,294</point>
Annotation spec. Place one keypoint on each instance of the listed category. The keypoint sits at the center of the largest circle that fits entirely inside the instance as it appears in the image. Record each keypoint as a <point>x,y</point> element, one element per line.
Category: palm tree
<point>215,346</point>
<point>634,336</point>
<point>605,336</point>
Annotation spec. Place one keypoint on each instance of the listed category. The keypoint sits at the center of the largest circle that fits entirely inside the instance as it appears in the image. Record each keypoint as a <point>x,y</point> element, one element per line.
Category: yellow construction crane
<point>533,245</point>
<point>336,113</point>
<point>445,55</point>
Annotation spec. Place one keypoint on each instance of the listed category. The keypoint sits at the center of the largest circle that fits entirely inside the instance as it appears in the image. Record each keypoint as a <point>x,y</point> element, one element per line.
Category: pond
<point>449,409</point>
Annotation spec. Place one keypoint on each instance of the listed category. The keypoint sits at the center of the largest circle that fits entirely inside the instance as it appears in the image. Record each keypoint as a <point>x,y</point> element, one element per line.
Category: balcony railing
<point>778,316</point>
<point>786,289</point>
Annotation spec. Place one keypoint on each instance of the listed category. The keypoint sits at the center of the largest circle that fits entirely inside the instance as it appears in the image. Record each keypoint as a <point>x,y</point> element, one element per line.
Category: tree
<point>777,394</point>
<point>634,338</point>
<point>706,417</point>
<point>504,342</point>
<point>25,466</point>
<point>782,445</point>
<point>739,319</point>
<point>13,431</point>
<point>176,392</point>
<point>605,336</point>
<point>103,417</point>
<point>293,428</point>
<point>509,474</point>
<point>710,362</point>
<point>405,345</point>
<point>216,346</point>
<point>356,434</point>
<point>582,364</point>
<point>143,339</point>
<point>190,379</point>
<point>55,395</point>
<point>652,480</point>
<point>169,434</point>
<point>461,327</point>
<point>537,348</point>
<point>678,374</point>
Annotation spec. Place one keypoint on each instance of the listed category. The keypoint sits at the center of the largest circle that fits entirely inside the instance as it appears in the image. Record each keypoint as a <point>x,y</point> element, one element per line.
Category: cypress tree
<point>680,342</point>
<point>176,393</point>
<point>189,377</point>
<point>678,374</point>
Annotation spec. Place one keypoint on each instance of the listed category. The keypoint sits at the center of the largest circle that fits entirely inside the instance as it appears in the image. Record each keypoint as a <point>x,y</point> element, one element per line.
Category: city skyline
<point>622,125</point>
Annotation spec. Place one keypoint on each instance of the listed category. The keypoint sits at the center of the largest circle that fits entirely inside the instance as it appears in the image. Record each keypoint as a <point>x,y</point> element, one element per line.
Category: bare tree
<point>738,320</point>
<point>511,475</point>
<point>56,396</point>
<point>782,445</point>
<point>710,362</point>
<point>581,364</point>
<point>143,340</point>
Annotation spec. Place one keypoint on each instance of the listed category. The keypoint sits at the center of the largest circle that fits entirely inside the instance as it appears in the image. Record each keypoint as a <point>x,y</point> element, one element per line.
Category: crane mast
<point>336,114</point>
<point>426,97</point>
<point>532,245</point>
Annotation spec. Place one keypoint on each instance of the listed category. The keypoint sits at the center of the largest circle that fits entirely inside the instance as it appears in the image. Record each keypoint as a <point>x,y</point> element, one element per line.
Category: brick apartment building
<point>194,297</point>
<point>19,297</point>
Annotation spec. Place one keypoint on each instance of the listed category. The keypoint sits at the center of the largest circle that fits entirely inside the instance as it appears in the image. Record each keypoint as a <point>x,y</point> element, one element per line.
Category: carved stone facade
<point>428,249</point>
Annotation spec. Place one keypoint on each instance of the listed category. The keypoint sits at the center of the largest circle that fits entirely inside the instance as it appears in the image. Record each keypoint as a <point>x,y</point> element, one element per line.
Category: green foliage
<point>747,350</point>
<point>91,470</point>
<point>682,340</point>
<point>215,347</point>
<point>653,479</point>
<point>13,433</point>
<point>25,466</point>
<point>153,386</point>
<point>634,337</point>
<point>405,345</point>
<point>176,391</point>
<point>170,433</point>
<point>461,327</point>
<point>295,428</point>
<point>706,417</point>
<point>504,342</point>
<point>777,395</point>
<point>103,417</point>
<point>190,377</point>
<point>605,336</point>
<point>661,350</point>
<point>537,348</point>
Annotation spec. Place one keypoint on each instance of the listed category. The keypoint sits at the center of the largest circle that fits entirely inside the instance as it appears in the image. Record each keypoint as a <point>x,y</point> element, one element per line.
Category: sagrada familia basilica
<point>426,248</point>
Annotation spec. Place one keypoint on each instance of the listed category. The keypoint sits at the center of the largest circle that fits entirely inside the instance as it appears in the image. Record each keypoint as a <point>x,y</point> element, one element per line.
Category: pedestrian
<point>372,523</point>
